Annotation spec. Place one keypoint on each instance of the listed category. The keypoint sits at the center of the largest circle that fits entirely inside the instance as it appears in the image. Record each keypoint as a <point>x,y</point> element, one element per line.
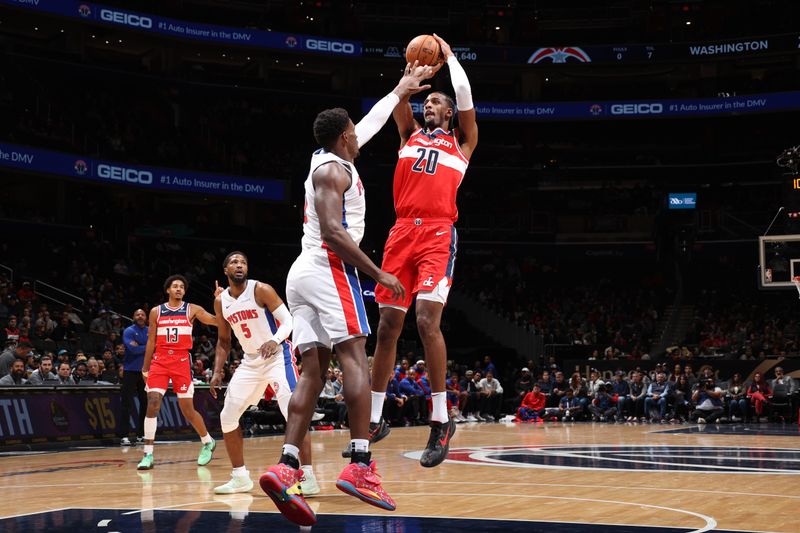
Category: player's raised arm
<point>202,315</point>
<point>152,332</point>
<point>404,116</point>
<point>223,347</point>
<point>268,298</point>
<point>409,84</point>
<point>467,123</point>
<point>330,183</point>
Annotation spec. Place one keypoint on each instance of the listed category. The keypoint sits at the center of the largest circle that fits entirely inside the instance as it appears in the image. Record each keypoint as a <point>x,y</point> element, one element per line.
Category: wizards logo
<point>559,55</point>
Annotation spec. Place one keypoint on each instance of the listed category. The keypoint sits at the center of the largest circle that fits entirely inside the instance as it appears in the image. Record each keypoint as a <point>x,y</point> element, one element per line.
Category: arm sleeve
<point>284,317</point>
<point>371,124</point>
<point>460,84</point>
<point>127,339</point>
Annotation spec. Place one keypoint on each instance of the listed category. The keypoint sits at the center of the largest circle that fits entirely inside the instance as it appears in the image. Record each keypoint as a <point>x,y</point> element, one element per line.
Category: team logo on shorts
<point>705,459</point>
<point>84,10</point>
<point>428,282</point>
<point>183,387</point>
<point>80,167</point>
<point>291,41</point>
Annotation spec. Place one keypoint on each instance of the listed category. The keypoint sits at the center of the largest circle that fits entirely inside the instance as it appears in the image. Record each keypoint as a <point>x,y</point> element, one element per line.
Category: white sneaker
<point>125,442</point>
<point>479,418</point>
<point>471,418</point>
<point>317,416</point>
<point>309,485</point>
<point>235,485</point>
<point>701,420</point>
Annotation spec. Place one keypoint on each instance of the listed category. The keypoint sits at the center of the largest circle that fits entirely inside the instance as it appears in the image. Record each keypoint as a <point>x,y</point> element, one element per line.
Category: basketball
<point>425,49</point>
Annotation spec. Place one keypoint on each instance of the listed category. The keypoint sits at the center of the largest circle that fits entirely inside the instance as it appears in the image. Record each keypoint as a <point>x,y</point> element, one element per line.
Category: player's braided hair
<point>329,125</point>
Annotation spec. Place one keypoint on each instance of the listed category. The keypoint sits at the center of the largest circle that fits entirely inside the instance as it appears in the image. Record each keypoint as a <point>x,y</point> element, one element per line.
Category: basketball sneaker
<point>282,483</point>
<point>206,452</point>
<point>235,485</point>
<point>364,483</point>
<point>308,483</point>
<point>438,443</point>
<point>377,431</point>
<point>125,441</point>
<point>146,463</point>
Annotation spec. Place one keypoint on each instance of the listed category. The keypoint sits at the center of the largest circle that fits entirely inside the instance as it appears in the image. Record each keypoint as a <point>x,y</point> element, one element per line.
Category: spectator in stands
<point>546,383</point>
<point>708,399</point>
<point>401,370</point>
<point>594,385</point>
<point>488,366</point>
<point>559,389</point>
<point>17,375</point>
<point>676,373</point>
<point>199,371</point>
<point>657,394</point>
<point>524,384</point>
<point>491,397</point>
<point>73,317</point>
<point>205,348</point>
<point>578,386</point>
<point>681,393</point>
<point>691,378</point>
<point>11,331</point>
<point>758,393</point>
<point>602,406</point>
<point>25,293</point>
<point>737,398</point>
<point>20,351</point>
<point>472,387</point>
<point>783,379</point>
<point>394,405</point>
<point>621,391</point>
<point>570,407</point>
<point>43,372</point>
<point>109,373</point>
<point>636,398</point>
<point>47,323</point>
<point>415,397</point>
<point>419,368</point>
<point>134,341</point>
<point>455,396</point>
<point>92,370</point>
<point>64,375</point>
<point>331,397</point>
<point>80,372</point>
<point>533,405</point>
<point>65,331</point>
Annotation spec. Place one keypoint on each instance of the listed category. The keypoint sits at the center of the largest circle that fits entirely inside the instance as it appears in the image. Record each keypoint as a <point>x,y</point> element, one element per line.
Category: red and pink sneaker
<point>282,483</point>
<point>364,483</point>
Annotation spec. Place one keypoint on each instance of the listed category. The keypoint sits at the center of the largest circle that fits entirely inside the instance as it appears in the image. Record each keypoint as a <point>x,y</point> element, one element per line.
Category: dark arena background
<point>630,218</point>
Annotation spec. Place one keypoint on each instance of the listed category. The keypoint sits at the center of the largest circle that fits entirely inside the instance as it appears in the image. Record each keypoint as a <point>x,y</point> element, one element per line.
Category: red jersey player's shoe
<point>282,483</point>
<point>438,443</point>
<point>364,483</point>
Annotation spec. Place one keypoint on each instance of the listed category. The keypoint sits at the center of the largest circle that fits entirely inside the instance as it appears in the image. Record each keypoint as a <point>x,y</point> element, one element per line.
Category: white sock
<point>291,449</point>
<point>359,445</point>
<point>148,448</point>
<point>377,407</point>
<point>206,439</point>
<point>439,413</point>
<point>150,425</point>
<point>307,470</point>
<point>240,471</point>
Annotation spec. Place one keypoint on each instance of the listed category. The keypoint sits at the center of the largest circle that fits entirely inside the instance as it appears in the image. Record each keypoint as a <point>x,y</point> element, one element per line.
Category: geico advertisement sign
<point>637,109</point>
<point>338,47</point>
<point>128,19</point>
<point>130,175</point>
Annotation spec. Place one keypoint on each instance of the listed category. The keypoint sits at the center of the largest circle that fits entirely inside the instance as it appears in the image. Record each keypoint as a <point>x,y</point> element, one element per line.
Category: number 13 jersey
<point>174,333</point>
<point>429,170</point>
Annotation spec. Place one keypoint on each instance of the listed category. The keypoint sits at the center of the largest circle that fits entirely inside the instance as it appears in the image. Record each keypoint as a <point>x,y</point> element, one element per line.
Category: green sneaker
<point>206,452</point>
<point>146,463</point>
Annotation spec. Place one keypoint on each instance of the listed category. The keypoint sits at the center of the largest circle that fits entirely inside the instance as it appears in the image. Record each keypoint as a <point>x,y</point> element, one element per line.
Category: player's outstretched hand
<point>413,76</point>
<point>214,384</point>
<point>393,284</point>
<point>268,349</point>
<point>217,289</point>
<point>445,48</point>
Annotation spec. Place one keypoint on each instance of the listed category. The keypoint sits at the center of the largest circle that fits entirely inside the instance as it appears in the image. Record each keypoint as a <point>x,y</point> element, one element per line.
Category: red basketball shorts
<point>175,367</point>
<point>421,253</point>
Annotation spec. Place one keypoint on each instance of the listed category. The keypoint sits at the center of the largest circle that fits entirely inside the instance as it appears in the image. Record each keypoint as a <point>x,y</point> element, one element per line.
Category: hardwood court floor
<point>729,477</point>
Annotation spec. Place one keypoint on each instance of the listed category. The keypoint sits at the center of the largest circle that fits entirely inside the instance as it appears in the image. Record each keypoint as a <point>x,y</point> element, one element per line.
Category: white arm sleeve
<point>460,84</point>
<point>371,124</point>
<point>284,317</point>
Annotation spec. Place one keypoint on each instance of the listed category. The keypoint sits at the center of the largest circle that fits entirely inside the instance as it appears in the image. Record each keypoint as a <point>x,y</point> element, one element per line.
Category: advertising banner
<point>115,173</point>
<point>83,413</point>
<point>628,109</point>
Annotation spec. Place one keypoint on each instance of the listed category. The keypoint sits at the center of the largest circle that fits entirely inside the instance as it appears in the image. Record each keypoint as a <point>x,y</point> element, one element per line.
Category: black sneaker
<point>438,443</point>
<point>377,432</point>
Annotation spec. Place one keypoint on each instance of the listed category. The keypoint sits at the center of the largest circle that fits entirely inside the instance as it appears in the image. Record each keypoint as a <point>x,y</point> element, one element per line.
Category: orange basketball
<point>425,49</point>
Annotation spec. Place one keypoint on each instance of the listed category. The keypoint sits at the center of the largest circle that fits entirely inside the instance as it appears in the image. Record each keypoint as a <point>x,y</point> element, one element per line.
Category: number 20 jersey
<point>429,170</point>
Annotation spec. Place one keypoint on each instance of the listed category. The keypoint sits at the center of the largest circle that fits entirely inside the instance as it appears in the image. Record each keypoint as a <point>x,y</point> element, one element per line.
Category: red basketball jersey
<point>174,333</point>
<point>429,170</point>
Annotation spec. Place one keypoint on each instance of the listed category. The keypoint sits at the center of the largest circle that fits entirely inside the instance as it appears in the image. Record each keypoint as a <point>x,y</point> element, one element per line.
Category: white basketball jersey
<point>252,324</point>
<point>354,205</point>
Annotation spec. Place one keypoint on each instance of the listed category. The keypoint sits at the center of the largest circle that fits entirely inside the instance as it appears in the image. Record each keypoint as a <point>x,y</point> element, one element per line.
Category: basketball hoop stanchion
<point>796,281</point>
